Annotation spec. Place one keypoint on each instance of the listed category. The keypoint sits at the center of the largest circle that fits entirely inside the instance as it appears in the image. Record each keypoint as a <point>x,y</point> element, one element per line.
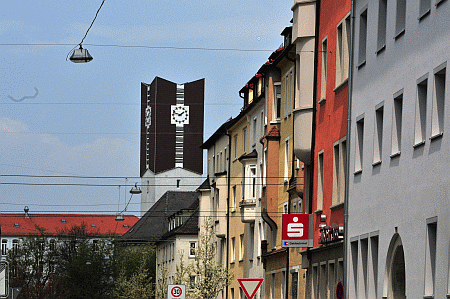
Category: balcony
<point>303,127</point>
<point>248,210</point>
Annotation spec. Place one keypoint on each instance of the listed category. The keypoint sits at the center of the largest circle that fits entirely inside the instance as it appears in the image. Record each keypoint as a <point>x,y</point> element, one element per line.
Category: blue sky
<point>83,119</point>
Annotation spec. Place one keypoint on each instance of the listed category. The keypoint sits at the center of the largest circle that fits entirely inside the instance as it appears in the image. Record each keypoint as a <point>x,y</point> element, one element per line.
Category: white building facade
<point>399,166</point>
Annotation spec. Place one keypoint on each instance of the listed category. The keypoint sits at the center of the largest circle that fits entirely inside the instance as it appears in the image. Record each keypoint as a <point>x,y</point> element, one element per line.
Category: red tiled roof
<point>274,133</point>
<point>19,225</point>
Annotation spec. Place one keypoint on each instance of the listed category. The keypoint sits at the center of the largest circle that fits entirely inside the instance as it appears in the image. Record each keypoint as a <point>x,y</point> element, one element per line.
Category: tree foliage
<point>211,277</point>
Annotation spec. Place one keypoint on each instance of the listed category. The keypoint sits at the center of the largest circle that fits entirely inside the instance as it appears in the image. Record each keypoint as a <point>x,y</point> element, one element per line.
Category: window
<point>315,282</point>
<point>430,257</point>
<point>323,280</point>
<point>241,247</point>
<point>378,135</point>
<point>342,50</point>
<point>424,8</point>
<point>191,282</point>
<point>277,100</point>
<point>244,140</point>
<point>353,287</point>
<point>320,181</point>
<point>265,162</point>
<point>283,285</point>
<point>437,116</point>
<point>192,249</point>
<point>233,249</point>
<point>255,122</point>
<point>236,146</point>
<point>340,158</point>
<point>362,38</point>
<point>331,279</point>
<point>286,159</point>
<point>232,293</point>
<point>251,238</point>
<point>396,140</point>
<point>364,265</point>
<point>400,18</point>
<point>272,286</point>
<point>382,17</point>
<point>288,92</point>
<point>323,81</point>
<point>359,144</point>
<point>234,199</point>
<point>294,284</point>
<point>4,247</point>
<point>373,283</point>
<point>421,111</point>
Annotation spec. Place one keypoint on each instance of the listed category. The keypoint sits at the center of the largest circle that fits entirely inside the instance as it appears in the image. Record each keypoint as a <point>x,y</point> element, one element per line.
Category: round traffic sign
<point>176,291</point>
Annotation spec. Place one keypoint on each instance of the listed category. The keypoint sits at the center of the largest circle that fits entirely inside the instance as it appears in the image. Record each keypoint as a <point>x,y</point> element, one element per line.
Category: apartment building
<point>326,259</point>
<point>398,209</point>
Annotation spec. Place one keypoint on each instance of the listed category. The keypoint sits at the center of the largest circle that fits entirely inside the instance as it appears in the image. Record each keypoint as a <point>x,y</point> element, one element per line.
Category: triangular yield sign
<point>250,286</point>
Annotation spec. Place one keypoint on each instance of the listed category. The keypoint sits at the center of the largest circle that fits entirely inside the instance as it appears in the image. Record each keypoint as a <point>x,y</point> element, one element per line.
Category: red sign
<point>250,285</point>
<point>297,230</point>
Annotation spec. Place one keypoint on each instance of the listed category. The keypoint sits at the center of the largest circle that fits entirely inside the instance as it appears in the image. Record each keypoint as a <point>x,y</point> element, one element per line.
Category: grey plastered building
<point>399,166</point>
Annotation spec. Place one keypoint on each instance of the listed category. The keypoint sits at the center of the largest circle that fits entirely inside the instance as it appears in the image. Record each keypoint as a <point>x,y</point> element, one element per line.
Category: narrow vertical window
<point>362,38</point>
<point>320,181</point>
<point>382,14</point>
<point>397,115</point>
<point>339,162</point>
<point>378,135</point>
<point>251,239</point>
<point>233,249</point>
<point>235,146</point>
<point>400,18</point>
<point>286,160</point>
<point>421,111</point>
<point>241,247</point>
<point>364,267</point>
<point>315,282</point>
<point>255,121</point>
<point>354,270</point>
<point>359,144</point>
<point>430,257</point>
<point>424,8</point>
<point>234,199</point>
<point>373,283</point>
<point>288,93</point>
<point>331,280</point>
<point>437,116</point>
<point>336,168</point>
<point>272,286</point>
<point>277,100</point>
<point>244,140</point>
<point>283,285</point>
<point>323,82</point>
<point>342,50</point>
<point>323,282</point>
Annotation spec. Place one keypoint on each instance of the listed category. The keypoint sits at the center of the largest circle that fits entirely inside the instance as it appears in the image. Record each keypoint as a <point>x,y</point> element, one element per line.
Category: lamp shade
<point>80,55</point>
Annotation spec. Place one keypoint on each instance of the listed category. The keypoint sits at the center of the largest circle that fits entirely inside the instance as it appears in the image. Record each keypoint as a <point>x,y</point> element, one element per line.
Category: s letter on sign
<point>297,230</point>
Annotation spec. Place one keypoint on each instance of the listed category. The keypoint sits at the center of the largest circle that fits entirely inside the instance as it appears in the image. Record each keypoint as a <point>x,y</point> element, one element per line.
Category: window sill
<point>363,63</point>
<point>437,4</point>
<point>420,18</point>
<point>319,211</point>
<point>381,49</point>
<point>322,101</point>
<point>337,206</point>
<point>376,163</point>
<point>418,144</point>
<point>436,136</point>
<point>396,154</point>
<point>399,34</point>
<point>341,85</point>
<point>359,171</point>
<point>275,122</point>
<point>233,210</point>
<point>429,296</point>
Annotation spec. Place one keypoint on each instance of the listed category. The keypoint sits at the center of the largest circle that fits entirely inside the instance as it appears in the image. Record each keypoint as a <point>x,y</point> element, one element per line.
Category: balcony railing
<point>248,210</point>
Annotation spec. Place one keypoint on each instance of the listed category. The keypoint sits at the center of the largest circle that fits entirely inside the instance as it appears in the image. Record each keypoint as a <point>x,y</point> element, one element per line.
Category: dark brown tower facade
<point>172,125</point>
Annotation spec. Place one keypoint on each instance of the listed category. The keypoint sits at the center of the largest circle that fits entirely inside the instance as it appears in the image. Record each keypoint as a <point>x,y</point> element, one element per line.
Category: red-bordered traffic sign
<point>176,291</point>
<point>250,285</point>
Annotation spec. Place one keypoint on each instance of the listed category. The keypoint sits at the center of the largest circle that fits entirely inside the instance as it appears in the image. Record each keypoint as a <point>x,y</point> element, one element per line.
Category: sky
<point>69,133</point>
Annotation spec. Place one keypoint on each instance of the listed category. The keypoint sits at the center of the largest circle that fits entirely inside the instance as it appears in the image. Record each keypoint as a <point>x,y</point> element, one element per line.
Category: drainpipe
<point>228,206</point>
<point>349,122</point>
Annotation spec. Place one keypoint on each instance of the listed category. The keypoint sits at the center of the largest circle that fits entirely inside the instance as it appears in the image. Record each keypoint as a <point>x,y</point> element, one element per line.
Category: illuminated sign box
<point>297,230</point>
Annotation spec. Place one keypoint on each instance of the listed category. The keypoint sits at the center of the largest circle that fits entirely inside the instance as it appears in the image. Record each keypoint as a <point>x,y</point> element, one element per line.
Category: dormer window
<point>16,224</point>
<point>63,220</point>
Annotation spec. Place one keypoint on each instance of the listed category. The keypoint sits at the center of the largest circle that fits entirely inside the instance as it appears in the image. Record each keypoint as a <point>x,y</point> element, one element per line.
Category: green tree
<point>136,272</point>
<point>211,277</point>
